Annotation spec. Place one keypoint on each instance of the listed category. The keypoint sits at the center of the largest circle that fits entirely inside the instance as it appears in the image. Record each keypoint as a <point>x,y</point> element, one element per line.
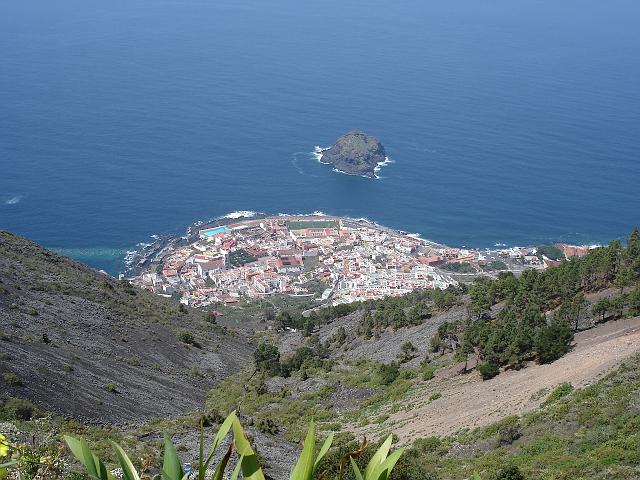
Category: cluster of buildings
<point>345,260</point>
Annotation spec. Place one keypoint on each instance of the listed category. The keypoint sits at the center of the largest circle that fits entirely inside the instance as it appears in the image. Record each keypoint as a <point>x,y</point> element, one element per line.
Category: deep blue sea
<point>512,122</point>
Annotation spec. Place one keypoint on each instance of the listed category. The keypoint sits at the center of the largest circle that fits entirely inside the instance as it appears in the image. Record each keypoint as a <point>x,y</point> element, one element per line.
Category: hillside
<point>467,402</point>
<point>79,343</point>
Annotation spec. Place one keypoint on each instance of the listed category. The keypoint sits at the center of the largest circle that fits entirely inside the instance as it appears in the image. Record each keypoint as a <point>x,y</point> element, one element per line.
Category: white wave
<point>499,244</point>
<point>155,237</point>
<point>379,166</point>
<point>14,200</point>
<point>351,174</point>
<point>130,258</point>
<point>317,213</point>
<point>240,214</point>
<point>317,152</point>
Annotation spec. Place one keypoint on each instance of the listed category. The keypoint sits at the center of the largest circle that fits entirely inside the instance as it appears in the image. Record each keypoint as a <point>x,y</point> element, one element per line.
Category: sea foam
<point>317,153</point>
<point>14,200</point>
<point>240,214</point>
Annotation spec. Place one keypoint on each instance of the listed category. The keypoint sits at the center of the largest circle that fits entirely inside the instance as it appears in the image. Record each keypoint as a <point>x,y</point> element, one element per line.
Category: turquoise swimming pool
<point>214,231</point>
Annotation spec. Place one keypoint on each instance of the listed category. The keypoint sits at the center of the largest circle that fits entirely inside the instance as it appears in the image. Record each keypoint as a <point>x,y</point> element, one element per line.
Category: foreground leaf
<point>250,468</point>
<point>378,458</point>
<point>323,450</point>
<point>171,467</point>
<point>303,469</point>
<point>220,468</point>
<point>95,468</point>
<point>128,470</point>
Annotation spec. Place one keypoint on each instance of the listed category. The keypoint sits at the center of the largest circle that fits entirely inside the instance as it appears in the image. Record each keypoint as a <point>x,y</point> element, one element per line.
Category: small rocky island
<point>355,153</point>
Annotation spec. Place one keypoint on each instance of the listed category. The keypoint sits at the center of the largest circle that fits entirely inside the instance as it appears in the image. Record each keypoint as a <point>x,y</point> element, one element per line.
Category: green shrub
<point>428,372</point>
<point>267,426</point>
<point>17,409</point>
<point>560,391</point>
<point>388,373</point>
<point>435,396</point>
<point>553,341</point>
<point>267,359</point>
<point>11,378</point>
<point>133,361</point>
<point>212,417</point>
<point>408,374</point>
<point>110,387</point>
<point>510,473</point>
<point>551,252</point>
<point>185,336</point>
<point>428,444</point>
<point>488,370</point>
<point>509,433</point>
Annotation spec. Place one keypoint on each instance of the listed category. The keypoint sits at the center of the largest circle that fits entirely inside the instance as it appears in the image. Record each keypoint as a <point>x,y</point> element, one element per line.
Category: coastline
<point>136,260</point>
<point>317,153</point>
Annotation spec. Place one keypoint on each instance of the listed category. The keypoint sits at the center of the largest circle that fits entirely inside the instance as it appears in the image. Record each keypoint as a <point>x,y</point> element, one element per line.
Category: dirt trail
<point>469,402</point>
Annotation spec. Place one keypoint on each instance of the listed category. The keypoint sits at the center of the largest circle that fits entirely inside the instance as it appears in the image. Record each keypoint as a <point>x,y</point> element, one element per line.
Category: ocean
<point>507,122</point>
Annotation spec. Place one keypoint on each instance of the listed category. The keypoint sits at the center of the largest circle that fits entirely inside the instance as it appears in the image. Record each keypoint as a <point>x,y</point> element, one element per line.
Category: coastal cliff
<point>356,153</point>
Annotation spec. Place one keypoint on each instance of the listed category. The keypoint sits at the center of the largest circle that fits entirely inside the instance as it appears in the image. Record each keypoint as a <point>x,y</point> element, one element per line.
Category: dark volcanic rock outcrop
<point>355,153</point>
<point>82,344</point>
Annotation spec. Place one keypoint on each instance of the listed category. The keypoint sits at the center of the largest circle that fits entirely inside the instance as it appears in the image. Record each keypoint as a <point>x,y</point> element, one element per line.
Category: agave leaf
<point>75,447</point>
<point>224,430</point>
<point>303,469</point>
<point>201,468</point>
<point>236,471</point>
<point>250,468</point>
<point>220,468</point>
<point>382,471</point>
<point>356,470</point>
<point>128,469</point>
<point>323,450</point>
<point>171,467</point>
<point>89,461</point>
<point>95,467</point>
<point>378,458</point>
<point>8,464</point>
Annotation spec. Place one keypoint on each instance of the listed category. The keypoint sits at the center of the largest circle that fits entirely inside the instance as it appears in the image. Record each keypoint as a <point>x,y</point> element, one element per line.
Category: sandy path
<point>469,402</point>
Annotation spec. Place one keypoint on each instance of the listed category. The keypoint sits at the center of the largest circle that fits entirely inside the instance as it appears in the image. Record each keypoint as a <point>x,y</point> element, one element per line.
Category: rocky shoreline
<point>356,153</point>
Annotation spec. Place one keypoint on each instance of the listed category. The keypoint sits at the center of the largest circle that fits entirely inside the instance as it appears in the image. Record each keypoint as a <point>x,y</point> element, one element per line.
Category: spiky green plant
<point>308,462</point>
<point>171,465</point>
<point>379,466</point>
<point>381,463</point>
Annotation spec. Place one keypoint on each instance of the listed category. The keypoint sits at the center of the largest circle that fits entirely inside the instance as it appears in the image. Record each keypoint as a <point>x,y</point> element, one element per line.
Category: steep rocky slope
<point>80,343</point>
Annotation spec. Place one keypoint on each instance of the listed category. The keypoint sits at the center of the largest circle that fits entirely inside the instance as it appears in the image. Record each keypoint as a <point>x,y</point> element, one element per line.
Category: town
<point>339,260</point>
